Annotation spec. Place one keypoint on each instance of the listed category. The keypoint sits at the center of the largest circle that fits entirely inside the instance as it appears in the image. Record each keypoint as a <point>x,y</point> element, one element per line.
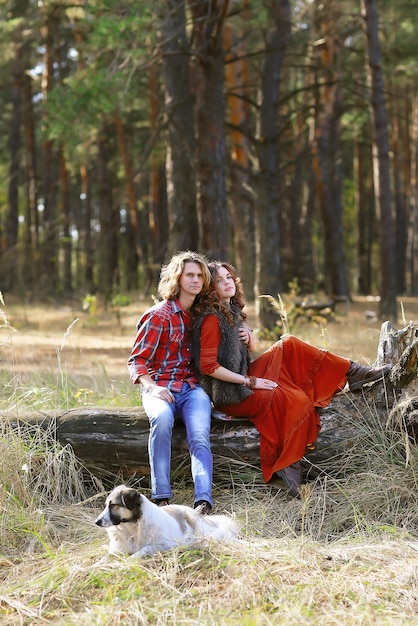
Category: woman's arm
<point>221,373</point>
<point>210,336</point>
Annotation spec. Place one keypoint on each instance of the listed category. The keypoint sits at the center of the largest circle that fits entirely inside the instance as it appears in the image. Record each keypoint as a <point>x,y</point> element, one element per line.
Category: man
<point>160,362</point>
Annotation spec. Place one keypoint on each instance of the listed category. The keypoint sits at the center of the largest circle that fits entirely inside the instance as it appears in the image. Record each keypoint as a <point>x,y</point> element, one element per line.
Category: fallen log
<point>114,441</point>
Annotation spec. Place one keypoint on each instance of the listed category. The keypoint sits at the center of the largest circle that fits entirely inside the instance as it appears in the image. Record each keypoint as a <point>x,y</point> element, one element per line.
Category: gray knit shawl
<point>232,354</point>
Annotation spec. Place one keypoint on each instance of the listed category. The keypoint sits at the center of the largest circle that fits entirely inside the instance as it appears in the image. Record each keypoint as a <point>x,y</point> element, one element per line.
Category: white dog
<point>137,526</point>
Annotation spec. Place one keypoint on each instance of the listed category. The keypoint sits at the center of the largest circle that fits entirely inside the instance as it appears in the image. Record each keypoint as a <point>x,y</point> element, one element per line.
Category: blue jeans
<point>194,408</point>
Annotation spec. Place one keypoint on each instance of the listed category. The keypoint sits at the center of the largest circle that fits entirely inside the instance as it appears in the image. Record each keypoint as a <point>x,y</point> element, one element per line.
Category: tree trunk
<point>241,197</point>
<point>157,218</point>
<point>208,85</point>
<point>399,155</point>
<point>135,235</point>
<point>307,264</point>
<point>31,188</point>
<point>381,164</point>
<point>49,261</point>
<point>303,205</point>
<point>14,168</point>
<point>107,226</point>
<point>66,241</point>
<point>412,252</point>
<point>364,214</point>
<point>86,243</point>
<point>326,147</point>
<point>180,165</point>
<point>267,207</point>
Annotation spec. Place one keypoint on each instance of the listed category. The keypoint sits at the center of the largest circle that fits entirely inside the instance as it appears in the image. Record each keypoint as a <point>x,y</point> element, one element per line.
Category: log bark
<point>115,441</point>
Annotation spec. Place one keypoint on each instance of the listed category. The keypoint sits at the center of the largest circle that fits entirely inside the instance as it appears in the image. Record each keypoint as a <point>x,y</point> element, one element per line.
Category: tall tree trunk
<point>31,187</point>
<point>180,165</point>
<point>208,18</point>
<point>107,227</point>
<point>326,147</point>
<point>10,277</point>
<point>86,230</point>
<point>136,237</point>
<point>381,165</point>
<point>157,226</point>
<point>412,253</point>
<point>303,206</point>
<point>399,155</point>
<point>268,279</point>
<point>49,272</point>
<point>364,214</point>
<point>66,240</point>
<point>241,197</point>
<point>304,193</point>
<point>307,266</point>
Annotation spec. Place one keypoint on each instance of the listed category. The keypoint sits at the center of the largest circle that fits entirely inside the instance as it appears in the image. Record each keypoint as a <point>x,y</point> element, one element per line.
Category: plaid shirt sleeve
<point>148,338</point>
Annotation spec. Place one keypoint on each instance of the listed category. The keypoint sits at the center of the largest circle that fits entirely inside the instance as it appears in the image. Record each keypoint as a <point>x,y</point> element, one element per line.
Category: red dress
<point>286,418</point>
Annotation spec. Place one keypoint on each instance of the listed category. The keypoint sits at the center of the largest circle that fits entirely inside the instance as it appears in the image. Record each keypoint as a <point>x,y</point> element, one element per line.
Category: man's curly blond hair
<point>168,286</point>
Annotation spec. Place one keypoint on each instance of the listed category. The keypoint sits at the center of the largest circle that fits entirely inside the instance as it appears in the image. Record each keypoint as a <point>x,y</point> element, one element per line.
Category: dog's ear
<point>130,498</point>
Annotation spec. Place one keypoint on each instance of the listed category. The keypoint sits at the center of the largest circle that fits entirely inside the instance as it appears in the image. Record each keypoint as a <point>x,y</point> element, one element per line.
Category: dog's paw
<point>145,551</point>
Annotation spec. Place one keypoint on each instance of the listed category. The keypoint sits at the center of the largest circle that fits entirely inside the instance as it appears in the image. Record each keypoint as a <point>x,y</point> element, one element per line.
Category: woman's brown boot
<point>359,375</point>
<point>292,476</point>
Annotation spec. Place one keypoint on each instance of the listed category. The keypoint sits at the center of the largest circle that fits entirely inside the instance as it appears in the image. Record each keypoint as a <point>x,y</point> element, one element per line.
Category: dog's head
<point>123,504</point>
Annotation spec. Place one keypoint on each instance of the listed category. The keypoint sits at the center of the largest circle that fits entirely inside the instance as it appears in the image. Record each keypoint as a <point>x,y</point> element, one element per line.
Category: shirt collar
<point>176,306</point>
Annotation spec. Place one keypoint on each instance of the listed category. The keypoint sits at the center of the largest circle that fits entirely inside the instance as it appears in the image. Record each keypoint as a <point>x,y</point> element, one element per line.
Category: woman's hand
<point>262,383</point>
<point>245,334</point>
<point>265,383</point>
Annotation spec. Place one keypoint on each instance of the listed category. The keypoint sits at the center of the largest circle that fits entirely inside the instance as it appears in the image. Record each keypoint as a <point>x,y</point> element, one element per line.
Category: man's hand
<point>163,393</point>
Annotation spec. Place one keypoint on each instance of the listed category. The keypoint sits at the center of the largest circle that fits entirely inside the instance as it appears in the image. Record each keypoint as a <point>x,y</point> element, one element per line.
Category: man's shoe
<point>161,502</point>
<point>359,375</point>
<point>204,506</point>
<point>292,476</point>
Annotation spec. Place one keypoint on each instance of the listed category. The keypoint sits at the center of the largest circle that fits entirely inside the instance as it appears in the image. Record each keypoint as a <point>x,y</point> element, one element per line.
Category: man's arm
<point>140,361</point>
<point>145,345</point>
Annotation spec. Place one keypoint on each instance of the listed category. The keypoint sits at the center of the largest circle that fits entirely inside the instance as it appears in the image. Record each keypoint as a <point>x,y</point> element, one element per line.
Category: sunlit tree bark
<point>381,163</point>
<point>14,143</point>
<point>268,279</point>
<point>363,203</point>
<point>157,209</point>
<point>180,160</point>
<point>208,84</point>
<point>66,231</point>
<point>326,145</point>
<point>50,253</point>
<point>241,197</point>
<point>31,234</point>
<point>108,224</point>
<point>412,253</point>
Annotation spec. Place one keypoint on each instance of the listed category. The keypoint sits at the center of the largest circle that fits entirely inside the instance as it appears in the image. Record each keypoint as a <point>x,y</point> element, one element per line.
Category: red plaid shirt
<point>162,347</point>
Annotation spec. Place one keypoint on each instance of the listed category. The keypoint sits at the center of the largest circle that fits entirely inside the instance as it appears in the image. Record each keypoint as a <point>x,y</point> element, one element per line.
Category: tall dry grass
<point>345,554</point>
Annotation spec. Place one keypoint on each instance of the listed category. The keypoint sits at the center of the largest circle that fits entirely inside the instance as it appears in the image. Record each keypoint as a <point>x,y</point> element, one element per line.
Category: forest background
<point>280,135</point>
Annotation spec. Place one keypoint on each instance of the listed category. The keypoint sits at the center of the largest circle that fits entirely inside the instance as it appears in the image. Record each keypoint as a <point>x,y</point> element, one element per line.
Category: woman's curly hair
<point>209,300</point>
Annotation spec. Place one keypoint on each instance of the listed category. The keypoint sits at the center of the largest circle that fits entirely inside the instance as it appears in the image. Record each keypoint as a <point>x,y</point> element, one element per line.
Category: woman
<point>278,391</point>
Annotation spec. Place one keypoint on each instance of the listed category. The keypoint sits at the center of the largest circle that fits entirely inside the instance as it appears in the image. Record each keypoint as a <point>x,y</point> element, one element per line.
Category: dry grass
<point>346,554</point>
<point>341,556</point>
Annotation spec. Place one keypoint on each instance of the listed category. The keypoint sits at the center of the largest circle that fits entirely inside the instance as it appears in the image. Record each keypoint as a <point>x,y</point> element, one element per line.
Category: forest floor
<point>86,341</point>
<point>345,554</point>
